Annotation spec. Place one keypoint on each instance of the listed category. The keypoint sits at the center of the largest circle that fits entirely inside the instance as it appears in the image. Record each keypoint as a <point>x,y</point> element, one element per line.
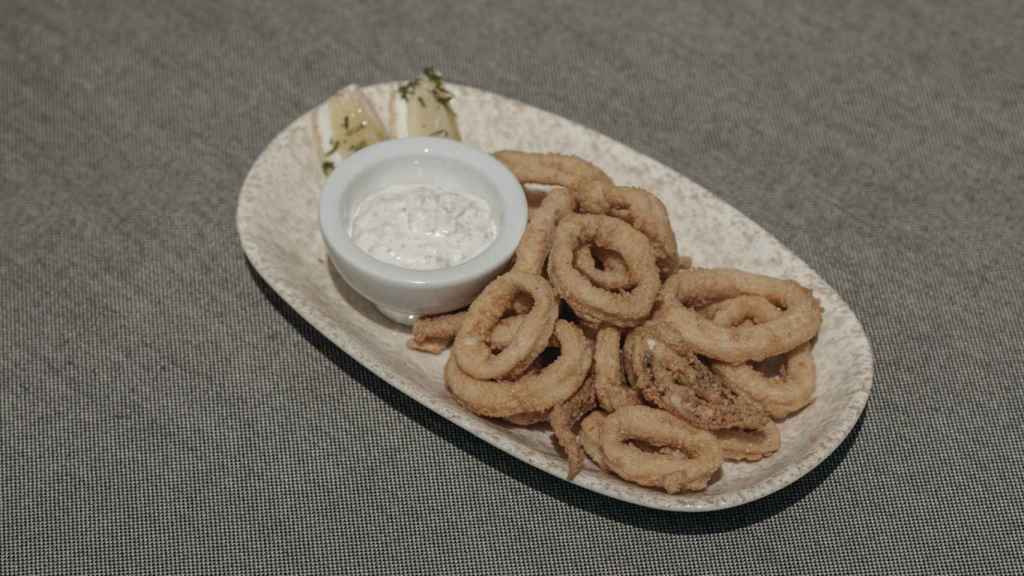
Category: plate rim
<point>821,450</point>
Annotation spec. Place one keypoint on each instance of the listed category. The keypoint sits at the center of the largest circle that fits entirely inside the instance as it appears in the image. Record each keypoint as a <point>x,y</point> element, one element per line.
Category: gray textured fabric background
<point>161,411</point>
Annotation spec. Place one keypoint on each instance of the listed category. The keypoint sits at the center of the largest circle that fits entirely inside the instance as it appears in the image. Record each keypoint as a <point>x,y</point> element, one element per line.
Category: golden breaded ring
<point>734,311</point>
<point>613,273</point>
<point>609,383</point>
<point>597,194</point>
<point>533,392</point>
<point>471,349</point>
<point>435,333</point>
<point>647,213</point>
<point>684,386</point>
<point>565,416</point>
<point>590,437</point>
<point>559,170</point>
<point>683,328</point>
<point>780,395</point>
<point>750,445</point>
<point>670,471</point>
<point>540,231</point>
<point>592,303</point>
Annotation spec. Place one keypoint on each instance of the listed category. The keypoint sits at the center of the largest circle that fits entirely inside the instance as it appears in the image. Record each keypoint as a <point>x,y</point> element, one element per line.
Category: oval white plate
<point>277,223</point>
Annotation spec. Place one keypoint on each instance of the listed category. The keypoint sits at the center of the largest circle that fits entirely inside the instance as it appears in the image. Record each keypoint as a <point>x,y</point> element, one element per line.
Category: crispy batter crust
<point>533,392</point>
<point>684,386</point>
<point>609,383</point>
<point>783,394</point>
<point>684,328</point>
<point>564,418</point>
<point>668,469</point>
<point>593,303</point>
<point>749,445</point>
<point>471,349</point>
<point>590,437</point>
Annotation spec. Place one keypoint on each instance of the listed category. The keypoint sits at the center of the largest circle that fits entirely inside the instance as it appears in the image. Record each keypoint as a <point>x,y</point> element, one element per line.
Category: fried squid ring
<point>471,349</point>
<point>645,212</point>
<point>434,334</point>
<point>563,419</point>
<point>534,392</point>
<point>591,303</point>
<point>535,243</point>
<point>668,469</point>
<point>560,170</point>
<point>683,328</point>
<point>590,437</point>
<point>735,311</point>
<point>684,386</point>
<point>597,194</point>
<point>780,395</point>
<point>749,445</point>
<point>609,385</point>
<point>604,268</point>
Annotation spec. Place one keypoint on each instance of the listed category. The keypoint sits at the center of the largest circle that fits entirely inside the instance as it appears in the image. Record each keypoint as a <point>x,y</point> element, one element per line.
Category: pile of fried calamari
<point>652,368</point>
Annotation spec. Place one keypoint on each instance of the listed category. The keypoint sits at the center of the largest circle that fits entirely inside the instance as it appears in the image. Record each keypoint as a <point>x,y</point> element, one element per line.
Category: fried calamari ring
<point>597,194</point>
<point>750,445</point>
<point>592,303</point>
<point>684,386</point>
<point>565,416</point>
<point>604,268</point>
<point>435,333</point>
<point>612,391</point>
<point>590,437</point>
<point>535,243</point>
<point>645,212</point>
<point>560,170</point>
<point>471,349</point>
<point>780,395</point>
<point>735,311</point>
<point>674,472</point>
<point>683,328</point>
<point>533,392</point>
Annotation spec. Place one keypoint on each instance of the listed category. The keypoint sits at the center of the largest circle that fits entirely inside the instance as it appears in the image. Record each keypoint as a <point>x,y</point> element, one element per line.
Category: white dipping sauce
<point>422,227</point>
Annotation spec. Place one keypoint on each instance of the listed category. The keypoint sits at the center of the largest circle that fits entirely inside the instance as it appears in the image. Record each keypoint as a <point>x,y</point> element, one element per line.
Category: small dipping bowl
<point>401,294</point>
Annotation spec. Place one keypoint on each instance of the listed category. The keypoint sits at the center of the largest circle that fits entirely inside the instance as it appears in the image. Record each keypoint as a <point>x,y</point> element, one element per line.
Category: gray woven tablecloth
<point>162,411</point>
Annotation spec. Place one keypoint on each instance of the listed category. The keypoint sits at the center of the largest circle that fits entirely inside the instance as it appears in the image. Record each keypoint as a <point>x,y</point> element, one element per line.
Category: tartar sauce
<point>422,227</point>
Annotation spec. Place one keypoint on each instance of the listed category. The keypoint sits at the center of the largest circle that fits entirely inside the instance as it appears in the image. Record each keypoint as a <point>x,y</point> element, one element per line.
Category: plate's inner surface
<point>278,223</point>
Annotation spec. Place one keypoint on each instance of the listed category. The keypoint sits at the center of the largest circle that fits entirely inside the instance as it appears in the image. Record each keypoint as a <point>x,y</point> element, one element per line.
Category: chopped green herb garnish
<point>327,167</point>
<point>442,133</point>
<point>432,74</point>
<point>358,146</point>
<point>333,147</point>
<point>440,93</point>
<point>345,123</point>
<point>421,101</point>
<point>405,89</point>
<point>443,96</point>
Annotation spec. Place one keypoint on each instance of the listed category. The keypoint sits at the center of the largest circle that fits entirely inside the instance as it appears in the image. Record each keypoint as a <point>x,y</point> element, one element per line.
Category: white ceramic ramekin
<point>400,294</point>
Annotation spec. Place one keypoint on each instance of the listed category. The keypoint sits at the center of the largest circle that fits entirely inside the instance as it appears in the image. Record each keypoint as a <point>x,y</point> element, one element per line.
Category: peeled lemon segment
<point>343,124</point>
<point>423,107</point>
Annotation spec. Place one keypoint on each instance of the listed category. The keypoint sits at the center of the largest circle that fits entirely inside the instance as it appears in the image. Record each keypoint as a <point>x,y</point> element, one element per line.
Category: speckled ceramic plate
<point>278,226</point>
